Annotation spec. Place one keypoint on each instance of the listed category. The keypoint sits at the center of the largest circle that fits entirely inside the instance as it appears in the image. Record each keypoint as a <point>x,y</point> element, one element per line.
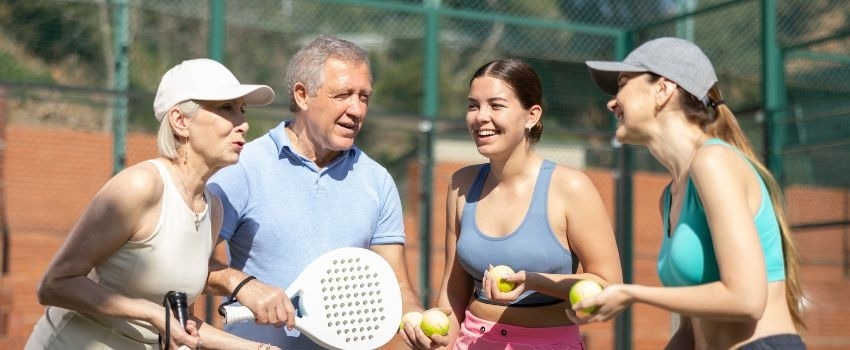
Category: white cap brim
<point>255,95</point>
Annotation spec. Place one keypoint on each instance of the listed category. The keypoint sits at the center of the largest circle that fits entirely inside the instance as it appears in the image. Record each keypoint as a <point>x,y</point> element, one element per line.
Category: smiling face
<point>496,119</point>
<point>333,117</point>
<point>218,131</point>
<point>633,106</point>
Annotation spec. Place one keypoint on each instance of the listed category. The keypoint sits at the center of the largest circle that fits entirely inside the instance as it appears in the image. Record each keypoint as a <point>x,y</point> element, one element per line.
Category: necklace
<point>679,179</point>
<point>191,202</point>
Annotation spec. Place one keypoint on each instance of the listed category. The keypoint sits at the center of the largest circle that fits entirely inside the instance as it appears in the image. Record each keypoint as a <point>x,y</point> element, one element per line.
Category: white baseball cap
<point>205,80</point>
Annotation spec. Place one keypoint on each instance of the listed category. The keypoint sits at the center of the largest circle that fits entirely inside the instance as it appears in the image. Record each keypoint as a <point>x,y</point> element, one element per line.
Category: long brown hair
<point>722,124</point>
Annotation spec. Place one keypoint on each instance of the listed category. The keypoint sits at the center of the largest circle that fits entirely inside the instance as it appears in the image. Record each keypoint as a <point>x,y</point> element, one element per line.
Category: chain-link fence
<point>69,44</point>
<point>60,62</point>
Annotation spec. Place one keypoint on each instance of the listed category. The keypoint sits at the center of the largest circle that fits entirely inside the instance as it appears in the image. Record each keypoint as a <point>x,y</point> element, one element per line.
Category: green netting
<point>51,48</point>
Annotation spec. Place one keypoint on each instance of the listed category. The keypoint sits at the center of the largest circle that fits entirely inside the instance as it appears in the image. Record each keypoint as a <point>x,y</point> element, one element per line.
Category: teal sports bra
<point>687,255</point>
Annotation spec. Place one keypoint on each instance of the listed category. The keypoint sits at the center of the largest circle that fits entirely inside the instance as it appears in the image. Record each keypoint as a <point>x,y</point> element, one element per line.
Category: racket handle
<point>177,300</point>
<point>236,313</point>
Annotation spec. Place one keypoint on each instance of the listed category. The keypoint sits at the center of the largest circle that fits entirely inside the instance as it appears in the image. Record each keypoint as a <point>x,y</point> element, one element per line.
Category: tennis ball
<point>585,289</point>
<point>434,321</point>
<point>413,317</point>
<point>503,285</point>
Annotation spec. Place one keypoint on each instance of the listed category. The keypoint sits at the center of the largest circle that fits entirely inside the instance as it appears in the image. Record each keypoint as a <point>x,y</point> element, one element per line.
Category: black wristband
<point>240,285</point>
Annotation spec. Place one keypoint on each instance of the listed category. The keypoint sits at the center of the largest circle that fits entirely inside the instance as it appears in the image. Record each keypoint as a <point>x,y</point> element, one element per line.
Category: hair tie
<point>232,298</point>
<point>714,104</point>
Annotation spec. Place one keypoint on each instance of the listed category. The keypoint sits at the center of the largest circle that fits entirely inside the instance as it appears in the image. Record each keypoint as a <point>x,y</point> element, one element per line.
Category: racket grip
<point>177,300</point>
<point>236,313</point>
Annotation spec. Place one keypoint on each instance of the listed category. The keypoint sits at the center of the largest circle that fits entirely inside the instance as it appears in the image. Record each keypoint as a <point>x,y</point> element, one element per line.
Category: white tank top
<point>174,258</point>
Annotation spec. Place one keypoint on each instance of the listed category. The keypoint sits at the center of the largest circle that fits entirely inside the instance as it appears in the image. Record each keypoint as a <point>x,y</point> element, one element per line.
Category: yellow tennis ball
<point>434,321</point>
<point>503,285</point>
<point>413,317</point>
<point>585,289</point>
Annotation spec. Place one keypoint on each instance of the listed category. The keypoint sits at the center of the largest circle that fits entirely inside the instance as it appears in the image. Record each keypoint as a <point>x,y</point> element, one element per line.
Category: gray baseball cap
<point>676,59</point>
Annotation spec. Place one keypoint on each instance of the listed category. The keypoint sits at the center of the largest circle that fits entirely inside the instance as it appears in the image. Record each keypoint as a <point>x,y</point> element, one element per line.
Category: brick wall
<point>50,175</point>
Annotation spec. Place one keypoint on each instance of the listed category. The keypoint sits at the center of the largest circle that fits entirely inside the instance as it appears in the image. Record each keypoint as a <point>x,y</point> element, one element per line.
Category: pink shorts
<point>478,334</point>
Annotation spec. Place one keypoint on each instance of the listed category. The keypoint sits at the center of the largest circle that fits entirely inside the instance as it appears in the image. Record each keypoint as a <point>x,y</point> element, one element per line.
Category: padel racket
<point>348,298</point>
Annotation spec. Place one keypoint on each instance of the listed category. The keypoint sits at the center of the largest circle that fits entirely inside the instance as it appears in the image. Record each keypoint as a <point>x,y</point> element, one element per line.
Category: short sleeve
<point>390,228</point>
<point>231,185</point>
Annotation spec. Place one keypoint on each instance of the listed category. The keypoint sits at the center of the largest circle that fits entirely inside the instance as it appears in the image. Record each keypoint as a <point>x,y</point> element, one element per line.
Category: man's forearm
<point>394,254</point>
<point>222,279</point>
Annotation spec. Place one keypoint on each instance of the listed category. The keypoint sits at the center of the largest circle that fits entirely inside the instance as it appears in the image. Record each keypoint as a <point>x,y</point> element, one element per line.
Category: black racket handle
<point>177,300</point>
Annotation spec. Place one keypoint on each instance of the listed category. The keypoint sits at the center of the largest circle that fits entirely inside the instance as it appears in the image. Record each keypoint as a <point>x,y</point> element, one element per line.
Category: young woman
<point>541,219</point>
<point>727,261</point>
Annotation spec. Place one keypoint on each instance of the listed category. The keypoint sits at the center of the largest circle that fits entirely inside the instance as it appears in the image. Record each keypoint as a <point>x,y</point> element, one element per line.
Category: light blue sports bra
<point>532,247</point>
<point>687,255</point>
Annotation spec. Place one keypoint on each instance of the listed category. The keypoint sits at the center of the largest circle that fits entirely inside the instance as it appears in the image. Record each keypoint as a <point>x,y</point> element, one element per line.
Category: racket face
<point>350,299</point>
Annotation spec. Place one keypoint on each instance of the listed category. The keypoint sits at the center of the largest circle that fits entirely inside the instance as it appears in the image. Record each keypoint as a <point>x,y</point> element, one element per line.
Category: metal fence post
<point>120,45</point>
<point>215,50</point>
<point>773,88</point>
<point>623,177</point>
<point>430,108</point>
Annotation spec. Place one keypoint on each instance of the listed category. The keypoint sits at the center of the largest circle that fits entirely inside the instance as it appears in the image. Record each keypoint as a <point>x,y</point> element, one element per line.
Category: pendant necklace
<point>191,203</point>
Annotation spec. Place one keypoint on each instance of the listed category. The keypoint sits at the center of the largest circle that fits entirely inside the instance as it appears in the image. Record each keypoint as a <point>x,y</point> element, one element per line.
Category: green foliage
<point>398,78</point>
<point>13,71</point>
<point>55,33</point>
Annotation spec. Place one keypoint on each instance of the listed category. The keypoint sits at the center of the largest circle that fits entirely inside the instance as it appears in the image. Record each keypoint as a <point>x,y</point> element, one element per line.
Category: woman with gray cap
<point>151,228</point>
<point>727,262</point>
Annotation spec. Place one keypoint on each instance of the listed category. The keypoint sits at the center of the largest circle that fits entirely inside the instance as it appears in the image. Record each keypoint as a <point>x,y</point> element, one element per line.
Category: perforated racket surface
<point>348,298</point>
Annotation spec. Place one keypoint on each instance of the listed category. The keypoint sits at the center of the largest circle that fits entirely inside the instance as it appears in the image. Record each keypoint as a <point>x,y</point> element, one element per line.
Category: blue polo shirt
<point>281,211</point>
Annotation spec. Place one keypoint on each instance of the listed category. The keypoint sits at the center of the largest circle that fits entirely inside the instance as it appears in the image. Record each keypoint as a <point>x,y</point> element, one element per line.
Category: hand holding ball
<point>503,285</point>
<point>435,321</point>
<point>413,317</point>
<point>431,322</point>
<point>585,289</point>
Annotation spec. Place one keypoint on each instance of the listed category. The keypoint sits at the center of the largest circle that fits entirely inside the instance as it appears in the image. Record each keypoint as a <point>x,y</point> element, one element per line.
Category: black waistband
<point>552,301</point>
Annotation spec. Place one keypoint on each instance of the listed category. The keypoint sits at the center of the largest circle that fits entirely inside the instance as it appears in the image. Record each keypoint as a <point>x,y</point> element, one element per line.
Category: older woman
<point>151,229</point>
